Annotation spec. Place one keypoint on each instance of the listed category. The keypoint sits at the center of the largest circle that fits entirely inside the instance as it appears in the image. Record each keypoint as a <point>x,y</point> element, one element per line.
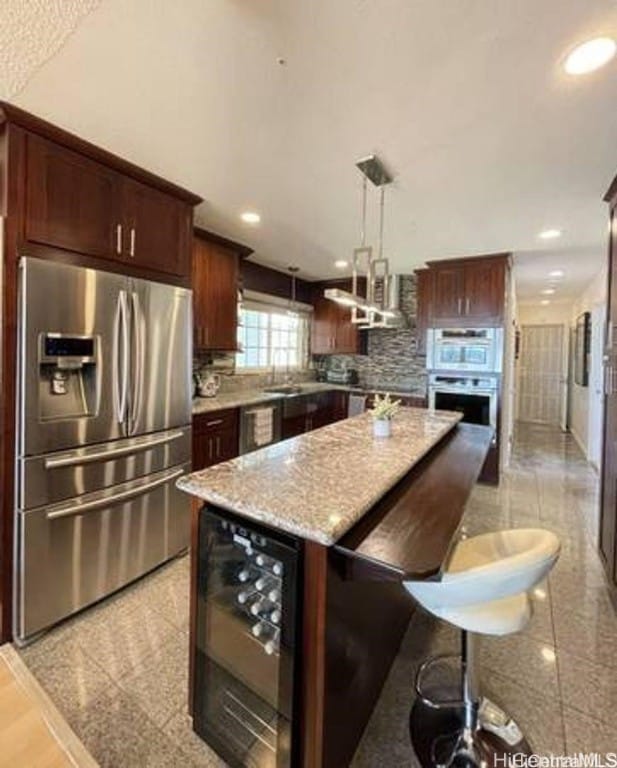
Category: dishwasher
<point>260,425</point>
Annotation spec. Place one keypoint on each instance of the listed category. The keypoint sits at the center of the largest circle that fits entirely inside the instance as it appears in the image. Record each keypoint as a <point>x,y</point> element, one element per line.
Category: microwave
<point>478,350</point>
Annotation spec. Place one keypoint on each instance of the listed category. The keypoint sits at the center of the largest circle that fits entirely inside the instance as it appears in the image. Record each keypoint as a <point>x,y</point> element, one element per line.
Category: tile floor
<point>118,673</point>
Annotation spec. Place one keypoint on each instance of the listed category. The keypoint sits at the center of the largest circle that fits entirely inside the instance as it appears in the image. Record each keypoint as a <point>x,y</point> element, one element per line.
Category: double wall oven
<point>464,366</point>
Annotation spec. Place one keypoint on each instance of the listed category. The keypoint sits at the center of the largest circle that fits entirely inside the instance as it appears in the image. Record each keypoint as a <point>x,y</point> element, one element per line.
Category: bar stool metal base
<point>440,739</point>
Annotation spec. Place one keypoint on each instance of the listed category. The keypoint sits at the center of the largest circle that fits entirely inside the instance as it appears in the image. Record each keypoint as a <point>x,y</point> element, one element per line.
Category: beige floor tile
<point>588,687</point>
<point>584,734</point>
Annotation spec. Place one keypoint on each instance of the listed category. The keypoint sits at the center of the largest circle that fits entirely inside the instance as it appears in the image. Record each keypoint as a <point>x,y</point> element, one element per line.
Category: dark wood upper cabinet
<point>215,295</point>
<point>323,326</point>
<point>72,202</point>
<point>485,288</point>
<point>157,229</point>
<point>448,290</point>
<point>332,331</point>
<point>80,205</point>
<point>424,298</point>
<point>466,292</point>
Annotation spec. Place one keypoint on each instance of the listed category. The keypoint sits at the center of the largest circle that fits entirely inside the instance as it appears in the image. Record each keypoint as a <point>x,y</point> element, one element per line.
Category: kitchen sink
<point>285,389</point>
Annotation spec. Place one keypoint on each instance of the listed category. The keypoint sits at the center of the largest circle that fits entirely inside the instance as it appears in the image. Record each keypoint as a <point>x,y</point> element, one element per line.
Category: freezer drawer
<point>67,474</point>
<point>74,553</point>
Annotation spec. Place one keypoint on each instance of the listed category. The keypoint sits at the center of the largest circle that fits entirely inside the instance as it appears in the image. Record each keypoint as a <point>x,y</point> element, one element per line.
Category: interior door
<point>542,379</point>
<point>61,299</point>
<point>161,356</point>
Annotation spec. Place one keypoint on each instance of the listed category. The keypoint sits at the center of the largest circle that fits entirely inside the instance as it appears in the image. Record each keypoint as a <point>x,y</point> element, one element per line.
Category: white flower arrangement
<point>384,409</point>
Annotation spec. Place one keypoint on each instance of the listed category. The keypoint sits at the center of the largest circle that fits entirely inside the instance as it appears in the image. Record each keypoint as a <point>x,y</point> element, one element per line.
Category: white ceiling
<point>465,101</point>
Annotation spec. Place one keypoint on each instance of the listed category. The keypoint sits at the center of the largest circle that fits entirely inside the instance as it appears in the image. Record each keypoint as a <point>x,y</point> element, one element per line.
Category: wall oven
<point>245,642</point>
<point>476,397</point>
<point>465,349</point>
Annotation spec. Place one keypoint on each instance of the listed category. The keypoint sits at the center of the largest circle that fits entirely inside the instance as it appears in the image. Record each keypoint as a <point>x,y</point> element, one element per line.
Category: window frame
<point>272,309</point>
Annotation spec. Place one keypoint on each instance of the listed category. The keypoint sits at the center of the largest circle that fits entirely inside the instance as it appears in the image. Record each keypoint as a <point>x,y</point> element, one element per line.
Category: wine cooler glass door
<point>244,654</point>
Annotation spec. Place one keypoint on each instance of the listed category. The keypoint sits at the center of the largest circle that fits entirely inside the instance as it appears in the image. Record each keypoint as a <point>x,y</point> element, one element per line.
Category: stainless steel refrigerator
<point>104,415</point>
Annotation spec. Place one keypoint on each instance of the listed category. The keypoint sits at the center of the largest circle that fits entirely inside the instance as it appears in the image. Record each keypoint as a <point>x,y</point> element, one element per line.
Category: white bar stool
<point>483,590</point>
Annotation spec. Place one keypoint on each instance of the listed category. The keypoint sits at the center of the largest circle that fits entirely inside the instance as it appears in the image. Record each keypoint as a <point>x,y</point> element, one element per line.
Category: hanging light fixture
<point>293,311</point>
<point>370,310</point>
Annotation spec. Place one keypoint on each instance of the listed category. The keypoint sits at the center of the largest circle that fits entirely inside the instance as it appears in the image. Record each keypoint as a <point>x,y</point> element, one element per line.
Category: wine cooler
<point>245,642</point>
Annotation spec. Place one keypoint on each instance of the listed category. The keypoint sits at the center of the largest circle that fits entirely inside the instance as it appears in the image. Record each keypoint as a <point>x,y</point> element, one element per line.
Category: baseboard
<point>579,442</point>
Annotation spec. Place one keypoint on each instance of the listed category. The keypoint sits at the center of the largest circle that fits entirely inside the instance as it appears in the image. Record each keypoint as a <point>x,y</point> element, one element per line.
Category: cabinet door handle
<point>210,448</point>
<point>119,238</point>
<point>218,447</point>
<point>132,245</point>
<point>467,306</point>
<point>460,306</point>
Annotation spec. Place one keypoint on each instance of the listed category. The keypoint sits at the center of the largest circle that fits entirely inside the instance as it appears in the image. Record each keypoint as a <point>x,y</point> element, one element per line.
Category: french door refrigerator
<point>104,414</point>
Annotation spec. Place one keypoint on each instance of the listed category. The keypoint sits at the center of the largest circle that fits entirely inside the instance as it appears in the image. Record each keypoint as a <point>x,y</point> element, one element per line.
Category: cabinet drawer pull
<point>119,238</point>
<point>214,422</point>
<point>132,246</point>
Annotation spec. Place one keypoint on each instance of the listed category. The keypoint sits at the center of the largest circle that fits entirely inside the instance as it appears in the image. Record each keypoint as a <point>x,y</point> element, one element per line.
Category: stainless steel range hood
<point>391,315</point>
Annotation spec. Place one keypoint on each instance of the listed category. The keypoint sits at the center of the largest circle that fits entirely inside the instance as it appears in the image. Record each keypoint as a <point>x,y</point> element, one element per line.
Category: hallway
<point>118,672</point>
<point>558,678</point>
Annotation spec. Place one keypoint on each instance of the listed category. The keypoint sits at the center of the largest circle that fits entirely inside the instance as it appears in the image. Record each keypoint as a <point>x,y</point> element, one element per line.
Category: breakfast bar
<point>299,551</point>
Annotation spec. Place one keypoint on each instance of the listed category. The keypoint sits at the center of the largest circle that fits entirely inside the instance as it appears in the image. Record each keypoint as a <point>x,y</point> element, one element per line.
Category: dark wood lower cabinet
<point>215,437</point>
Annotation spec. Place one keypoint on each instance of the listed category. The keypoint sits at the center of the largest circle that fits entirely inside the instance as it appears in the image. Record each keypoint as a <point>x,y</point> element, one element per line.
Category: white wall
<point>555,313</point>
<point>594,294</point>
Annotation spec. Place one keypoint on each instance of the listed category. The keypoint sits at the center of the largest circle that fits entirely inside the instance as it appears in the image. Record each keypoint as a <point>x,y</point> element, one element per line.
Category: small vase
<point>382,427</point>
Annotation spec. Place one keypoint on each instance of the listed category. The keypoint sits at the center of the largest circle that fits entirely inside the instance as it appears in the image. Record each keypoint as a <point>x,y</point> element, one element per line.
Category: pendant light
<point>368,311</point>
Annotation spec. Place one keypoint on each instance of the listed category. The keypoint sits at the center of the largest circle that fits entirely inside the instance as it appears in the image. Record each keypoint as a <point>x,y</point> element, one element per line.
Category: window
<point>269,336</point>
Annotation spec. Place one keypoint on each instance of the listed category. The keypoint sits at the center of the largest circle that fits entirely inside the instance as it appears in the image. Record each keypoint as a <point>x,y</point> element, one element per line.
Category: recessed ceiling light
<point>250,217</point>
<point>548,291</point>
<point>556,273</point>
<point>545,302</point>
<point>341,263</point>
<point>590,56</point>
<point>549,234</point>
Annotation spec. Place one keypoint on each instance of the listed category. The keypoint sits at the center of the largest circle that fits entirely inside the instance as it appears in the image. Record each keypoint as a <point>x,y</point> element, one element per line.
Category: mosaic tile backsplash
<point>391,363</point>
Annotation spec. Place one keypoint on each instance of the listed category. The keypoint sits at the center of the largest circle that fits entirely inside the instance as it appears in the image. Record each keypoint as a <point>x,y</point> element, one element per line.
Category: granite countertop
<point>317,485</point>
<point>253,396</point>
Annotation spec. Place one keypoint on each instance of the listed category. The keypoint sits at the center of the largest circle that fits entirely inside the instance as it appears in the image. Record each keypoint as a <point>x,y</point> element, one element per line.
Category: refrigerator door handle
<point>72,460</point>
<point>121,356</point>
<point>137,347</point>
<point>78,508</point>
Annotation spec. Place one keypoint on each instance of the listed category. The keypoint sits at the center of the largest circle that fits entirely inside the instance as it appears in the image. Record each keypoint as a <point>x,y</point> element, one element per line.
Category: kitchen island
<point>362,514</point>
